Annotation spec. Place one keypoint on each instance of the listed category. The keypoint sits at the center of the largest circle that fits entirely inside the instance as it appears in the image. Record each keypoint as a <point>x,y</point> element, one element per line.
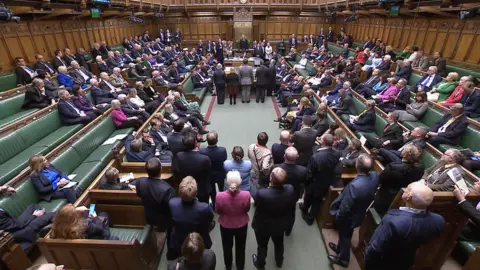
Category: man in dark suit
<point>321,174</point>
<point>41,64</point>
<point>404,71</point>
<point>346,106</point>
<point>173,74</point>
<point>272,77</point>
<point>471,101</point>
<point>68,56</point>
<point>278,149</point>
<point>400,101</point>
<point>296,176</point>
<point>466,207</point>
<point>219,80</point>
<point>175,138</point>
<point>35,98</point>
<point>415,137</point>
<point>191,163</point>
<point>441,64</point>
<point>330,34</point>
<point>219,51</point>
<point>80,74</point>
<point>262,76</point>
<point>403,231</point>
<point>349,208</point>
<point>134,151</point>
<point>80,57</point>
<point>24,73</point>
<point>304,139</point>
<point>391,137</point>
<point>293,41</point>
<point>427,82</point>
<point>189,215</point>
<point>96,50</point>
<point>449,129</point>
<point>58,60</point>
<point>217,156</point>
<point>101,96</point>
<point>243,44</point>
<point>155,194</point>
<point>69,113</point>
<point>365,89</point>
<point>365,121</point>
<point>271,220</point>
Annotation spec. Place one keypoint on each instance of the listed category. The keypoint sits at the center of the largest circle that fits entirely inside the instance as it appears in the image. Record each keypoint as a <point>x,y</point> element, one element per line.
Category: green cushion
<point>53,205</point>
<point>95,137</point>
<point>57,137</point>
<point>86,173</point>
<point>380,124</point>
<point>200,93</point>
<point>471,139</point>
<point>11,145</point>
<point>188,85</point>
<point>359,105</point>
<point>11,106</point>
<point>25,195</point>
<point>428,159</point>
<point>16,164</point>
<point>468,247</point>
<point>431,117</point>
<point>375,215</point>
<point>414,78</point>
<point>356,44</point>
<point>40,128</point>
<point>16,116</point>
<point>411,125</point>
<point>125,234</point>
<point>89,56</point>
<point>68,161</point>
<point>8,81</point>
<point>462,71</point>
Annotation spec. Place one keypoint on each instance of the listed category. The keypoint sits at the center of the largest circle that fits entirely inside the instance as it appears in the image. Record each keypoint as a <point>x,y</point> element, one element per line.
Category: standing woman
<point>242,166</point>
<point>233,82</point>
<point>246,80</point>
<point>232,206</point>
<point>281,48</point>
<point>268,52</point>
<point>219,81</point>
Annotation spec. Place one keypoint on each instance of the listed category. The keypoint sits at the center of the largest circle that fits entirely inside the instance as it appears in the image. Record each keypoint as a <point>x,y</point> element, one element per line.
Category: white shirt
<point>137,101</point>
<point>85,77</point>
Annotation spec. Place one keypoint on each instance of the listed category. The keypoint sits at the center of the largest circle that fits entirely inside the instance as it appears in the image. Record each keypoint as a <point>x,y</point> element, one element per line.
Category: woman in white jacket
<point>268,52</point>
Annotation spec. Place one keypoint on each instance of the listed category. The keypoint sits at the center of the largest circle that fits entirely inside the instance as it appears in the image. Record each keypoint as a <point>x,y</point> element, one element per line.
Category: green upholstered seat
<point>429,119</point>
<point>470,139</point>
<point>11,110</point>
<point>86,172</point>
<point>127,234</point>
<point>356,44</point>
<point>428,159</point>
<point>414,78</point>
<point>200,93</point>
<point>468,247</point>
<point>375,215</point>
<point>8,81</point>
<point>462,71</point>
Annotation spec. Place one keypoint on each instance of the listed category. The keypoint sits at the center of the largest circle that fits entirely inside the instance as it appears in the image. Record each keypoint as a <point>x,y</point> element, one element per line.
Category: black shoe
<point>243,101</point>
<point>228,267</point>
<point>278,119</point>
<point>206,123</point>
<point>301,206</point>
<point>308,219</point>
<point>333,247</point>
<point>258,101</point>
<point>280,264</point>
<point>201,140</point>
<point>287,233</point>
<point>255,262</point>
<point>230,102</point>
<point>203,131</point>
<point>248,101</point>
<point>212,225</point>
<point>336,260</point>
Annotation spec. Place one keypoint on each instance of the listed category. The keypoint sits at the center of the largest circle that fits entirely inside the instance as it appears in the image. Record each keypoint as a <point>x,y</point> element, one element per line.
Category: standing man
<point>262,75</point>
<point>219,51</point>
<point>217,156</point>
<point>155,195</point>
<point>293,41</point>
<point>321,174</point>
<point>304,139</point>
<point>349,208</point>
<point>278,149</point>
<point>219,79</point>
<point>272,77</point>
<point>270,219</point>
<point>403,231</point>
<point>246,80</point>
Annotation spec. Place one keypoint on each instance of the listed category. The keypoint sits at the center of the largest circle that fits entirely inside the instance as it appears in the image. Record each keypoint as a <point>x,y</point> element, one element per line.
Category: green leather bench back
<point>428,159</point>
<point>431,116</point>
<point>10,106</point>
<point>89,56</point>
<point>357,44</point>
<point>471,139</point>
<point>117,47</point>
<point>462,71</point>
<point>359,105</point>
<point>380,124</point>
<point>188,85</point>
<point>338,50</point>
<point>26,195</point>
<point>8,81</point>
<point>414,78</point>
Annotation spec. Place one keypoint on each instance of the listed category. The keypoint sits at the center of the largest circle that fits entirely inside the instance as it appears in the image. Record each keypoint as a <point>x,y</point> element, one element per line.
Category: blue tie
<point>49,69</point>
<point>29,69</point>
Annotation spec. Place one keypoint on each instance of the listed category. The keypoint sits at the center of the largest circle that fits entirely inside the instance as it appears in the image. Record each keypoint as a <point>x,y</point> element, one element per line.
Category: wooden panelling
<point>26,39</point>
<point>457,40</point>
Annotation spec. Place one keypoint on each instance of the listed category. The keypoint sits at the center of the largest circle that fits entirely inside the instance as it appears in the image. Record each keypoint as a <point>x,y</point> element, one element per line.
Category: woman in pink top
<point>390,91</point>
<point>232,206</point>
<point>120,119</point>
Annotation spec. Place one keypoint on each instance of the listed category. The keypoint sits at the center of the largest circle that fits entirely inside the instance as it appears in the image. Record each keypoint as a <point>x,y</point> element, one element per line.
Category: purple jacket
<point>82,103</point>
<point>388,92</point>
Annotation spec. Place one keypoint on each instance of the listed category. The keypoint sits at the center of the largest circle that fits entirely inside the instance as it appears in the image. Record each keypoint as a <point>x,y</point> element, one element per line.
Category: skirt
<point>233,89</point>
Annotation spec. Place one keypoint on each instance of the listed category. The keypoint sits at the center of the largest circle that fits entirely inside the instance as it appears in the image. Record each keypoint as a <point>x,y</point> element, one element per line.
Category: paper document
<point>126,178</point>
<point>71,176</point>
<point>110,141</point>
<point>352,118</point>
<point>363,140</point>
<point>457,177</point>
<point>121,136</point>
<point>68,185</point>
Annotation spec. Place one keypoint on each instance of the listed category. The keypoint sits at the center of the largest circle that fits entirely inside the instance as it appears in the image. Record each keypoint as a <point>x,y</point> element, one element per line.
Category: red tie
<point>386,127</point>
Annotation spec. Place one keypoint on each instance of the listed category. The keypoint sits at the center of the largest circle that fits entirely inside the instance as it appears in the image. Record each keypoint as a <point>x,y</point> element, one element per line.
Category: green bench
<point>8,81</point>
<point>85,158</point>
<point>338,50</point>
<point>200,93</point>
<point>462,71</point>
<point>356,44</point>
<point>11,110</point>
<point>39,137</point>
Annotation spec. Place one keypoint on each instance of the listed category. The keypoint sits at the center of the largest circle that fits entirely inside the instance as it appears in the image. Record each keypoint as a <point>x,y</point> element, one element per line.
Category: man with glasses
<point>443,174</point>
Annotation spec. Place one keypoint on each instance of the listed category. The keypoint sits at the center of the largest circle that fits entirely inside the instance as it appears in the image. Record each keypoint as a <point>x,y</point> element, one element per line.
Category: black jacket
<point>217,156</point>
<point>262,75</point>
<point>42,185</point>
<point>322,170</point>
<point>471,104</point>
<point>393,133</point>
<point>101,96</point>
<point>175,142</point>
<point>196,165</point>
<point>23,77</point>
<point>219,77</point>
<point>142,156</point>
<point>155,195</point>
<point>296,175</point>
<point>455,130</point>
<point>303,140</point>
<point>45,67</point>
<point>347,106</point>
<point>35,99</point>
<point>366,122</point>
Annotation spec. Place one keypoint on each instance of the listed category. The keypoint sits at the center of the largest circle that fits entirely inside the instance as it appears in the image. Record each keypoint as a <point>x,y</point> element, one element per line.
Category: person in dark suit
<point>24,73</point>
<point>293,41</point>
<point>173,74</point>
<point>111,181</point>
<point>58,60</point>
<point>321,174</point>
<point>41,64</point>
<point>35,98</point>
<point>68,56</point>
<point>134,151</point>
<point>304,139</point>
<point>192,163</point>
<point>368,85</point>
<point>219,51</point>
<point>219,79</point>
<point>400,101</point>
<point>96,51</point>
<point>466,207</point>
<point>346,107</point>
<point>404,71</point>
<point>217,156</point>
<point>471,102</point>
<point>440,63</point>
<point>175,138</point>
<point>69,113</point>
<point>330,34</point>
<point>132,110</point>
<point>430,79</point>
<point>48,180</point>
<point>365,121</point>
<point>189,215</point>
<point>403,231</point>
<point>261,74</point>
<point>416,137</point>
<point>321,122</point>
<point>349,208</point>
<point>278,149</point>
<point>391,137</point>
<point>243,44</point>
<point>397,175</point>
<point>449,129</point>
<point>80,58</point>
<point>101,96</point>
<point>270,219</point>
<point>296,176</point>
<point>272,76</point>
<point>81,75</point>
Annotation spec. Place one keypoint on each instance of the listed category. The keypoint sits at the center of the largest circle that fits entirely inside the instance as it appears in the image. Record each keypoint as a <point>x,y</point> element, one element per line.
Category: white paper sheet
<point>363,140</point>
<point>71,176</point>
<point>126,178</point>
<point>69,185</point>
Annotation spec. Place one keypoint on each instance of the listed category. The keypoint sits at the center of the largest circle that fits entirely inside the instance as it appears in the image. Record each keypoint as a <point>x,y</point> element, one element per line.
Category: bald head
<point>291,155</point>
<point>212,138</point>
<point>278,177</point>
<point>284,137</point>
<point>418,196</point>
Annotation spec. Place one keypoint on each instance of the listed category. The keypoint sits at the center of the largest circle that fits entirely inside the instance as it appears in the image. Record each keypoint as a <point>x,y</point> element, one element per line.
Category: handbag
<point>263,178</point>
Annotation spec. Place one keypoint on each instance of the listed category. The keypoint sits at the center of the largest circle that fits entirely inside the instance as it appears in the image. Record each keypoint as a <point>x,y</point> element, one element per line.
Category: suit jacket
<point>67,113</point>
<point>471,104</point>
<point>303,140</point>
<point>68,59</point>
<point>42,185</point>
<point>349,208</point>
<point>321,126</point>
<point>455,130</point>
<point>404,72</point>
<point>262,75</point>
<point>366,122</point>
<point>246,75</point>
<point>385,65</point>
<point>45,67</point>
<point>95,52</point>
<point>78,78</point>
<point>325,81</point>
<point>436,79</point>
<point>57,62</point>
<point>23,77</point>
<point>160,143</point>
<point>403,98</point>
<point>347,106</point>
<point>272,215</point>
<point>469,210</point>
<point>82,61</point>
<point>111,63</point>
<point>155,195</point>
<point>101,96</point>
<point>175,142</point>
<point>293,41</point>
<point>393,133</point>
<point>219,77</point>
<point>196,165</point>
<point>442,181</point>
<point>217,156</point>
<point>35,99</point>
<point>142,156</point>
<point>322,170</point>
<point>441,65</point>
<point>401,232</point>
<point>278,152</point>
<point>296,175</point>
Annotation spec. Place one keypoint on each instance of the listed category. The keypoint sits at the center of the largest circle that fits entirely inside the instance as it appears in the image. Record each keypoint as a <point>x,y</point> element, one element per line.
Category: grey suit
<point>245,73</point>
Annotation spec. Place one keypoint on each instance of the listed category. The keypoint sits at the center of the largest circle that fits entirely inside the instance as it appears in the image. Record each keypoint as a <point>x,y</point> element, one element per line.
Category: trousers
<point>246,91</point>
<point>262,247</point>
<point>229,236</point>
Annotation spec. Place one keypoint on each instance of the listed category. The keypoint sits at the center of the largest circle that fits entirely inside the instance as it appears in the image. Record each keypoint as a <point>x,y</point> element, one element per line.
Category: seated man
<point>107,84</point>
<point>365,121</point>
<point>295,88</point>
<point>471,101</point>
<point>112,181</point>
<point>404,71</point>
<point>81,75</point>
<point>345,107</point>
<point>158,133</point>
<point>69,113</point>
<point>415,137</point>
<point>133,147</point>
<point>41,64</point>
<point>35,96</point>
<point>439,176</point>
<point>450,128</point>
<point>430,79</point>
<point>332,97</point>
<point>367,86</point>
<point>398,101</point>
<point>199,81</point>
<point>132,110</point>
<point>391,137</point>
<point>101,96</point>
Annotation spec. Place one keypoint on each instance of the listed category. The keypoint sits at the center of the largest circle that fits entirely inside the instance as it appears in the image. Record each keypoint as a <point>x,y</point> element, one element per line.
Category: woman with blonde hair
<point>232,206</point>
<point>49,181</point>
<point>340,141</point>
<point>442,90</point>
<point>304,108</point>
<point>71,223</point>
